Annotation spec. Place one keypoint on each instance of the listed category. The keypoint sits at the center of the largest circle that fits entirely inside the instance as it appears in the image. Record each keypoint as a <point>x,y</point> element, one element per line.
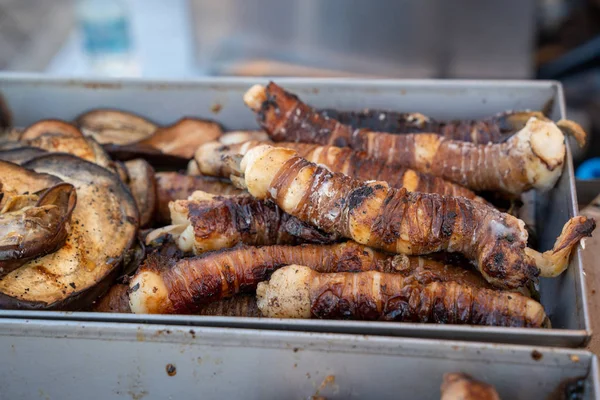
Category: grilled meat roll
<point>399,221</point>
<point>494,129</point>
<point>164,285</point>
<point>212,160</point>
<point>532,158</point>
<point>299,292</point>
<point>206,222</point>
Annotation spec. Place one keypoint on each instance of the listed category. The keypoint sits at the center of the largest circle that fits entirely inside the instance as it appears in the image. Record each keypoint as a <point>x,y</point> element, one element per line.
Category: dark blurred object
<point>569,51</point>
<point>32,31</point>
<point>587,190</point>
<point>569,46</point>
<point>392,38</point>
<point>579,59</point>
<point>573,24</point>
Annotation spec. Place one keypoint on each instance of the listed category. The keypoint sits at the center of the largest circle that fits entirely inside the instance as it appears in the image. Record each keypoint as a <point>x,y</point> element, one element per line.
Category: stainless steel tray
<point>32,97</point>
<point>69,360</point>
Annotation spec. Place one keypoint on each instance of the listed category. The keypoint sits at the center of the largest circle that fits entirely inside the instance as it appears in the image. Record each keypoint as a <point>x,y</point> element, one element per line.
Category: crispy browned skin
<point>175,186</point>
<point>399,221</point>
<point>116,300</point>
<point>299,292</point>
<point>494,129</point>
<point>224,221</point>
<point>532,158</point>
<point>192,282</point>
<point>457,386</point>
<point>212,159</point>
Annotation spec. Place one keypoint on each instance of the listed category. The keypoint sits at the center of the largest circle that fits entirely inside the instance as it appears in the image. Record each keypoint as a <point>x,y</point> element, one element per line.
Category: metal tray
<point>31,98</point>
<point>65,360</point>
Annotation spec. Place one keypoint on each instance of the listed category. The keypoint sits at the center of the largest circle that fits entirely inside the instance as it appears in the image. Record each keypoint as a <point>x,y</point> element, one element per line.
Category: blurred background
<point>503,39</point>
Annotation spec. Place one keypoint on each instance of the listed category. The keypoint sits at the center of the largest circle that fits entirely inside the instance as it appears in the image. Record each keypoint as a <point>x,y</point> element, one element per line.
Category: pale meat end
<point>547,144</point>
<point>148,294</point>
<point>260,165</point>
<point>208,158</point>
<point>186,240</point>
<point>192,168</point>
<point>295,193</point>
<point>286,294</point>
<point>179,212</point>
<point>255,96</point>
<point>535,312</point>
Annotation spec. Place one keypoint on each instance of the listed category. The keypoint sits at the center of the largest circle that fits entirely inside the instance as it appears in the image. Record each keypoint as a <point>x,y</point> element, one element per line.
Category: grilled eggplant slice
<point>77,146</point>
<point>102,158</point>
<point>116,127</point>
<point>32,230</point>
<point>8,135</point>
<point>67,141</point>
<point>171,146</point>
<point>10,145</point>
<point>50,127</point>
<point>142,184</point>
<point>21,154</point>
<point>16,180</point>
<point>103,228</point>
<point>183,137</point>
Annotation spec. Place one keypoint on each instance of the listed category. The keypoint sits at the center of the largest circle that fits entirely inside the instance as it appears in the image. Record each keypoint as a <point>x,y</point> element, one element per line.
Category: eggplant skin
<point>103,226</point>
<point>18,180</point>
<point>53,127</point>
<point>75,302</point>
<point>142,183</point>
<point>38,230</point>
<point>115,126</point>
<point>155,157</point>
<point>21,155</point>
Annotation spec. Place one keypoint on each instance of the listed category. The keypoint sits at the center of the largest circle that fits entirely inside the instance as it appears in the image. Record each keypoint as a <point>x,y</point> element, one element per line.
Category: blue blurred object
<point>106,37</point>
<point>589,169</point>
<point>160,41</point>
